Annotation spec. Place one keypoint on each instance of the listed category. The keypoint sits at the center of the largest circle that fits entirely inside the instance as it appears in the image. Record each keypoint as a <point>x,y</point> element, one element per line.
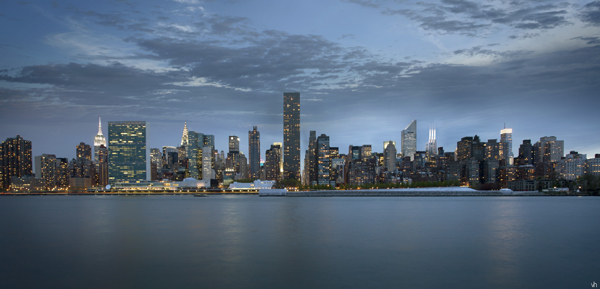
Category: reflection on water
<point>251,242</point>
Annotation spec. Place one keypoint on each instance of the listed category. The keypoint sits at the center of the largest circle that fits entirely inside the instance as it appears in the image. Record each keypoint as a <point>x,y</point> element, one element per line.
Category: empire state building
<point>98,140</point>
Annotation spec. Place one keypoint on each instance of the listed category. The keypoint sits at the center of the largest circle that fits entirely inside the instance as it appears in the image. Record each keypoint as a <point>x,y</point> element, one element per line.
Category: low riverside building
<point>186,184</point>
<point>256,185</point>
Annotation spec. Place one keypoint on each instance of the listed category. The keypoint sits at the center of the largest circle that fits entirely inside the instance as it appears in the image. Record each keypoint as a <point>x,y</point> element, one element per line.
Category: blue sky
<point>364,68</point>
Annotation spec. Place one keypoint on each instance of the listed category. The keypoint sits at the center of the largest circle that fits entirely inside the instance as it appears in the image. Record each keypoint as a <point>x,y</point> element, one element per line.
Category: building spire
<point>99,125</point>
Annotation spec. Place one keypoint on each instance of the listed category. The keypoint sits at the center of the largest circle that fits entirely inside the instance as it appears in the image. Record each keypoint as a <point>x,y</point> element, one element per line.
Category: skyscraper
<point>254,152</point>
<point>98,141</point>
<point>409,140</point>
<point>431,148</point>
<point>126,151</point>
<point>506,144</point>
<point>84,151</point>
<point>45,169</point>
<point>184,136</point>
<point>323,160</point>
<point>234,144</point>
<point>272,156</point>
<point>389,155</point>
<point>15,160</point>
<point>291,135</point>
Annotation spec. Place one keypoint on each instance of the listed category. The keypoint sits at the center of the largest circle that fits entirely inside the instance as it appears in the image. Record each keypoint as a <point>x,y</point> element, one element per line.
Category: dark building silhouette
<point>291,135</point>
<point>254,152</point>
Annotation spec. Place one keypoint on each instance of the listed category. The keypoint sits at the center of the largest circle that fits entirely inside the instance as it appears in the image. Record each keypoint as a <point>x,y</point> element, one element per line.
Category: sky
<point>364,69</point>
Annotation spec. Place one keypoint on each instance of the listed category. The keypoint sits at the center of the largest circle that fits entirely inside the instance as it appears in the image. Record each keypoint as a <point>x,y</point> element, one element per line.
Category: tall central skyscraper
<point>506,140</point>
<point>254,152</point>
<point>126,151</point>
<point>99,140</point>
<point>409,140</point>
<point>291,135</point>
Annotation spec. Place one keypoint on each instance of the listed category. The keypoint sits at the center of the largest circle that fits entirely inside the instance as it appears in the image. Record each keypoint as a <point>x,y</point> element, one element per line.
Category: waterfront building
<point>280,144</point>
<point>409,140</point>
<point>98,140</point>
<point>323,160</point>
<point>254,152</point>
<point>271,166</point>
<point>207,163</point>
<point>62,173</point>
<point>45,169</point>
<point>126,151</point>
<point>291,135</point>
<point>593,166</point>
<point>572,166</point>
<point>195,143</point>
<point>15,160</point>
<point>311,158</point>
<point>102,165</point>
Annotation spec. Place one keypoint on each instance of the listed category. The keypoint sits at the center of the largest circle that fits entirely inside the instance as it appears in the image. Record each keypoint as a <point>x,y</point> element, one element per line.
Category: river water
<point>253,242</point>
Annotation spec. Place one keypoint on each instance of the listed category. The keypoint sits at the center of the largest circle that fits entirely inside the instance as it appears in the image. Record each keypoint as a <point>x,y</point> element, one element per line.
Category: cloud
<point>590,13</point>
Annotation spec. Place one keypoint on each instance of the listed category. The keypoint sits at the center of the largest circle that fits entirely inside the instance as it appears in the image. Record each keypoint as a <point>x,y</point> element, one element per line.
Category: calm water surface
<point>252,242</point>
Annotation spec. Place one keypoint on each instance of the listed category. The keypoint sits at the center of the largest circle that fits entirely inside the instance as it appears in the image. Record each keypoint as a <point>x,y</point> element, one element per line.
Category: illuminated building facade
<point>389,156</point>
<point>98,141</point>
<point>323,160</point>
<point>15,160</point>
<point>254,152</point>
<point>273,157</point>
<point>45,169</point>
<point>506,152</point>
<point>291,135</point>
<point>409,140</point>
<point>126,151</point>
<point>234,144</point>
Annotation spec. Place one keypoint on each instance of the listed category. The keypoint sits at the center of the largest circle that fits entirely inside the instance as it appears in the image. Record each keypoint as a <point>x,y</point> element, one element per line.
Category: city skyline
<point>223,66</point>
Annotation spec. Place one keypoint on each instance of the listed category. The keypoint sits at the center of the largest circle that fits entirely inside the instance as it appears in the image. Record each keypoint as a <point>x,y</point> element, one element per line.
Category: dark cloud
<point>590,13</point>
<point>471,18</point>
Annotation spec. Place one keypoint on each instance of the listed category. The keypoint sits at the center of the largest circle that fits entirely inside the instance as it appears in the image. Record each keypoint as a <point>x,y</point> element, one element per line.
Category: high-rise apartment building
<point>45,169</point>
<point>409,140</point>
<point>84,152</point>
<point>234,144</point>
<point>254,152</point>
<point>15,160</point>
<point>271,167</point>
<point>126,151</point>
<point>323,160</point>
<point>291,135</point>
